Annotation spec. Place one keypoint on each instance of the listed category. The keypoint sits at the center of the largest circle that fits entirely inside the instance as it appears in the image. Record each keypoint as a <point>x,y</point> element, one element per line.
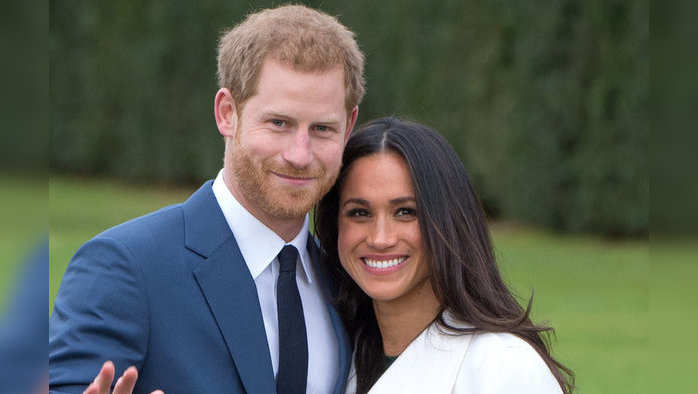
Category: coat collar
<point>205,228</point>
<point>430,363</point>
<point>229,289</point>
<point>258,243</point>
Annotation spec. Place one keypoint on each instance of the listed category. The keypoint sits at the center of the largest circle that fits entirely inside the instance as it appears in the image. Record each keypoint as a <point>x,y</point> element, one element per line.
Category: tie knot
<point>287,258</point>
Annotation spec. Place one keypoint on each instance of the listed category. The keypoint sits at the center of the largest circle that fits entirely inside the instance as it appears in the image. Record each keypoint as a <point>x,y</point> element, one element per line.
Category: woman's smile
<point>383,264</point>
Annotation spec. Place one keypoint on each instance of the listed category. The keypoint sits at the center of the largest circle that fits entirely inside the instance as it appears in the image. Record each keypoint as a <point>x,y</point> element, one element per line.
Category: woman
<point>418,285</point>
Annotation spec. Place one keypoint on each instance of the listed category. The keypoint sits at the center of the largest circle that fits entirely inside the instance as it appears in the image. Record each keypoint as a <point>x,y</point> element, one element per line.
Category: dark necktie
<point>293,343</point>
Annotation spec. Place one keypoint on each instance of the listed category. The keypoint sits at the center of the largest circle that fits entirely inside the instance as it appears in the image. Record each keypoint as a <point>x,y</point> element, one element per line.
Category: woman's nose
<point>382,235</point>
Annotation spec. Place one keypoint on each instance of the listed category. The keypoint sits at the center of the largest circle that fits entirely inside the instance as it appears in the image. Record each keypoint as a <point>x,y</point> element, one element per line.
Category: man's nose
<point>299,153</point>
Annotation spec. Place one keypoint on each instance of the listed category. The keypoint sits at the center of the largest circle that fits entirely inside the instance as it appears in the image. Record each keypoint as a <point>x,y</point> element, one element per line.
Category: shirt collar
<point>259,245</point>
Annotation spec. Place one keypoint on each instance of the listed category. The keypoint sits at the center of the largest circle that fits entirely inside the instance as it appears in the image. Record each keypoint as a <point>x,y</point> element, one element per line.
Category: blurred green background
<point>545,101</point>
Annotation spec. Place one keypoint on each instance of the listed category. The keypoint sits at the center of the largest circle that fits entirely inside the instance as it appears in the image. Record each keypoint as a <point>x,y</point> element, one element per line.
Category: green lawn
<point>595,293</point>
<point>596,296</point>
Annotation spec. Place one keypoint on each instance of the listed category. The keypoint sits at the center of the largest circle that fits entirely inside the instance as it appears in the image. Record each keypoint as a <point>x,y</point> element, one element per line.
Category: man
<point>188,294</point>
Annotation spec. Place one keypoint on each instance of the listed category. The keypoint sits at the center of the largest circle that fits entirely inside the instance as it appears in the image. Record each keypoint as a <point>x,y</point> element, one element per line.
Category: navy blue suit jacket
<point>171,294</point>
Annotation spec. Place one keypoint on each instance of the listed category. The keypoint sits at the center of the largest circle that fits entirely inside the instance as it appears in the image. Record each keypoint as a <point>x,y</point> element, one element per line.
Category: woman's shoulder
<point>502,363</point>
<point>499,343</point>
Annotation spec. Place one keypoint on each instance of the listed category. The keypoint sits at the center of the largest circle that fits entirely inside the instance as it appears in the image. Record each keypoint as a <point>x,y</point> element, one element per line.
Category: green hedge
<point>546,101</point>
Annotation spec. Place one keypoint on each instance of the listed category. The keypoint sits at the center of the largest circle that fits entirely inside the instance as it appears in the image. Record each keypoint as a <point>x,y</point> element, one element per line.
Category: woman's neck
<point>401,320</point>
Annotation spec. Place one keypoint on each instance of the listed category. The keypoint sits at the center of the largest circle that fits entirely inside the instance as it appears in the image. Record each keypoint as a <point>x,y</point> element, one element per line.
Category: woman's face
<point>379,243</point>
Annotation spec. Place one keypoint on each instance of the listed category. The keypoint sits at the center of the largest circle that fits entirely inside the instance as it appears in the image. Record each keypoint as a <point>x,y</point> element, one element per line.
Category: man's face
<point>287,147</point>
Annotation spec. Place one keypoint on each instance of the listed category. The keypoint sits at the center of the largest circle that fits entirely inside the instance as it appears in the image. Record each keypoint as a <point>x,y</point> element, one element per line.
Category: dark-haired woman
<point>419,289</point>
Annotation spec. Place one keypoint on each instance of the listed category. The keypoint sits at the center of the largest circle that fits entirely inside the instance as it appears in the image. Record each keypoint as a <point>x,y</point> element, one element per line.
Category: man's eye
<point>278,122</point>
<point>321,128</point>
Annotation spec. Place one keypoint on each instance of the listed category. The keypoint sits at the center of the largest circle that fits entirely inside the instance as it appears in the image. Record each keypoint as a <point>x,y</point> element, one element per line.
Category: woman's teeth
<point>381,264</point>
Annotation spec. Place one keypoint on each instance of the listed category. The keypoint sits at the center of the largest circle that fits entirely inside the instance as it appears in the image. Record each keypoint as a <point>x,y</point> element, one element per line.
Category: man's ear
<point>226,112</point>
<point>351,122</point>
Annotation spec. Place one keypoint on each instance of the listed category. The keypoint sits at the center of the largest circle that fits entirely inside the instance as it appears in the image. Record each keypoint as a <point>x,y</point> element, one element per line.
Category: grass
<point>673,315</point>
<point>596,296</point>
<point>595,293</point>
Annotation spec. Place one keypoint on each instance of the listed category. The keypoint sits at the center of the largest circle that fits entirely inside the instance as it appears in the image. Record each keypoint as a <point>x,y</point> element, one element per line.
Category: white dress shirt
<point>259,246</point>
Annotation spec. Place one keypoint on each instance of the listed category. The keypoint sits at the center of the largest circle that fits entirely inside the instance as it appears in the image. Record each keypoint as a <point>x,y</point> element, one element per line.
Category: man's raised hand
<point>102,382</point>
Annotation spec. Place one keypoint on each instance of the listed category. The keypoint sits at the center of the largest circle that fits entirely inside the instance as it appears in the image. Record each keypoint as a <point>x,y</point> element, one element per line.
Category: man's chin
<point>291,202</point>
<point>285,205</point>
<point>294,209</point>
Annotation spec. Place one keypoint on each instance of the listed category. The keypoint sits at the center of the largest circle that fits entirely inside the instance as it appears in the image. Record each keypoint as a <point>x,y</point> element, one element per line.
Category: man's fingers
<point>127,381</point>
<point>103,380</point>
<point>124,385</point>
<point>91,389</point>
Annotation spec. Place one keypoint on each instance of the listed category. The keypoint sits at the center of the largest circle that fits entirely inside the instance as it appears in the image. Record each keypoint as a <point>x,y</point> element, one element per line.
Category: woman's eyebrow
<point>401,200</point>
<point>359,201</point>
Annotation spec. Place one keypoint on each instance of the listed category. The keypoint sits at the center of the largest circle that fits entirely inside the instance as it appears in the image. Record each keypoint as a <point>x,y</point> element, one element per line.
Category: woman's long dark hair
<point>464,273</point>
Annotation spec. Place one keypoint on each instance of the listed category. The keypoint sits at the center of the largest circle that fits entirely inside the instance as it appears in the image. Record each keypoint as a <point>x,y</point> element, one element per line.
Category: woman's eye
<point>357,212</point>
<point>406,212</point>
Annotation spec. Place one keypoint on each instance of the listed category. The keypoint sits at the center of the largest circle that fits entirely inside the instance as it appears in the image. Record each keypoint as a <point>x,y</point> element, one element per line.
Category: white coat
<point>485,363</point>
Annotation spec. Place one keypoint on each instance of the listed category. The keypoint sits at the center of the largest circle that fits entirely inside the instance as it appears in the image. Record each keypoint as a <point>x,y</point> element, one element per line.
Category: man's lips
<point>294,179</point>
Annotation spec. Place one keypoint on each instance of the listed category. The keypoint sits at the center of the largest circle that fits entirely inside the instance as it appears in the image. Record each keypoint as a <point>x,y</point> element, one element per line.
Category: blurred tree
<point>573,130</point>
<point>24,100</point>
<point>546,101</point>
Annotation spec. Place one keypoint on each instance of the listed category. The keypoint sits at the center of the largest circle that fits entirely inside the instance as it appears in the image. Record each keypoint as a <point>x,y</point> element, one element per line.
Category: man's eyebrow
<point>328,122</point>
<point>280,114</point>
<point>274,114</point>
<point>359,201</point>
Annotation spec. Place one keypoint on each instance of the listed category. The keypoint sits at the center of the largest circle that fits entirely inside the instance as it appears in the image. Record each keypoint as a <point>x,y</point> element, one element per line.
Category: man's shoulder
<point>165,219</point>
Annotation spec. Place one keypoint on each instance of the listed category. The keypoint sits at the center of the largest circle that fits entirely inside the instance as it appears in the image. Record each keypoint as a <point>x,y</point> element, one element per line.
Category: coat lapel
<point>430,364</point>
<point>340,332</point>
<point>229,289</point>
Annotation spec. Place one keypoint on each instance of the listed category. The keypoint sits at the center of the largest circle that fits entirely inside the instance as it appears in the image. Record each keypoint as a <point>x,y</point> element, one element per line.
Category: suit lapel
<point>343,342</point>
<point>229,290</point>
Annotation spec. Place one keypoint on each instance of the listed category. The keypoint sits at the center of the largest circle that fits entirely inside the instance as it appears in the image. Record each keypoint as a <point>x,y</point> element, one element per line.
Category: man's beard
<point>255,184</point>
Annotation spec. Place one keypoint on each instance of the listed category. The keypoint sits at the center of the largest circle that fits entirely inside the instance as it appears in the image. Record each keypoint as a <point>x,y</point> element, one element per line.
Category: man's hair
<point>303,38</point>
